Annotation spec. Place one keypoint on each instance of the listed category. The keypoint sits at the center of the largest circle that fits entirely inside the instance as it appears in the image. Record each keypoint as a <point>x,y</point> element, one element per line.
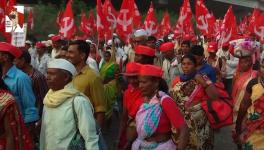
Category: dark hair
<point>186,42</point>
<point>148,60</point>
<point>189,56</point>
<point>26,56</point>
<point>152,38</point>
<point>162,84</point>
<point>3,86</point>
<point>65,48</point>
<point>197,50</point>
<point>83,47</point>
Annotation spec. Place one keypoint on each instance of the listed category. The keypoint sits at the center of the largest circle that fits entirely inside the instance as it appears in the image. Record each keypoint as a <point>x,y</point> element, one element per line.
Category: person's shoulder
<point>82,100</point>
<point>37,74</point>
<point>21,75</point>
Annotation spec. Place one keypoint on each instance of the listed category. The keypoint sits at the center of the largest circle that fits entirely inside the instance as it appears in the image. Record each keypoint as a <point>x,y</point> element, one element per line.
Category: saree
<point>239,88</point>
<point>10,111</point>
<point>147,121</point>
<point>188,95</point>
<point>253,124</point>
<point>107,72</point>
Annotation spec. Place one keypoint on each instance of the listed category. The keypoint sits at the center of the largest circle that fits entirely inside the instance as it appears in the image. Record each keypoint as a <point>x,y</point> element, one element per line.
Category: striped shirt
<point>40,88</point>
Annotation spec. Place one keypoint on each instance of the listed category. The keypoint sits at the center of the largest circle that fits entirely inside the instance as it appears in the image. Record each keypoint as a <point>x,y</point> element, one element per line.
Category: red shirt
<point>132,100</point>
<point>170,116</point>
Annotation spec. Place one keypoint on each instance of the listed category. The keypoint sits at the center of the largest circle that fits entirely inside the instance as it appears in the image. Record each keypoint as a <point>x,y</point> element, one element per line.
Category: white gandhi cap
<point>62,64</point>
<point>140,33</point>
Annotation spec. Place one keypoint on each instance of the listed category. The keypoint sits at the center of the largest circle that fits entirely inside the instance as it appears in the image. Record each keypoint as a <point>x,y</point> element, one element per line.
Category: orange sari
<point>10,111</point>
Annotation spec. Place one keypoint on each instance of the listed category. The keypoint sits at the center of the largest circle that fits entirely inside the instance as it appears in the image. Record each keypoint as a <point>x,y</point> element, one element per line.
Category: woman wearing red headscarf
<point>157,115</point>
<point>132,100</point>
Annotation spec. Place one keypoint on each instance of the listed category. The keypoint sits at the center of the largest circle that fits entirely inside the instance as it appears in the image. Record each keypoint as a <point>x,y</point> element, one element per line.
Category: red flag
<point>101,22</point>
<point>252,20</point>
<point>30,23</point>
<point>136,15</point>
<point>67,27</point>
<point>124,25</point>
<point>88,25</point>
<point>58,19</point>
<point>228,28</point>
<point>259,27</point>
<point>243,26</point>
<point>2,15</point>
<point>165,26</point>
<point>151,24</point>
<point>110,13</point>
<point>204,20</point>
<point>184,20</point>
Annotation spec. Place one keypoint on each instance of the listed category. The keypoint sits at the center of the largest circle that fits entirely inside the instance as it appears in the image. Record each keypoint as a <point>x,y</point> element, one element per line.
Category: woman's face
<point>133,80</point>
<point>148,86</point>
<point>139,58</point>
<point>261,70</point>
<point>245,64</point>
<point>188,66</point>
<point>107,56</point>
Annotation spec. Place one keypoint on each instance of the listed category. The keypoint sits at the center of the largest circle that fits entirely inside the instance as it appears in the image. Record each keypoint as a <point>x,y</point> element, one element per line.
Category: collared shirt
<point>171,70</point>
<point>59,125</point>
<point>208,70</point>
<point>90,83</point>
<point>42,63</point>
<point>20,85</point>
<point>40,88</point>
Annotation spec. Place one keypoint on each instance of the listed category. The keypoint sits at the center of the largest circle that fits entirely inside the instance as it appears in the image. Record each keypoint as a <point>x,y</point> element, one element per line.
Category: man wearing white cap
<point>66,112</point>
<point>139,38</point>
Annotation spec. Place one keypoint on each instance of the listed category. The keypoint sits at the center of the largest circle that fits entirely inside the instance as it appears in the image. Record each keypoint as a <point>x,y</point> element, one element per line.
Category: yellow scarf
<point>55,98</point>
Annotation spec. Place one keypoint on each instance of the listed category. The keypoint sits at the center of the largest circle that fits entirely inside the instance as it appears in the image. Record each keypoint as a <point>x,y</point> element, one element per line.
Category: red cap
<point>40,45</point>
<point>55,38</point>
<point>212,47</point>
<point>132,69</point>
<point>144,50</point>
<point>6,47</point>
<point>150,70</point>
<point>166,47</point>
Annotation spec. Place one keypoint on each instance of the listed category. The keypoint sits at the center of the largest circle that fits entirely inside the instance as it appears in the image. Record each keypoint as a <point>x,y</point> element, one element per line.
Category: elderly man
<point>56,44</point>
<point>139,38</point>
<point>18,82</point>
<point>171,66</point>
<point>66,112</point>
<point>87,80</point>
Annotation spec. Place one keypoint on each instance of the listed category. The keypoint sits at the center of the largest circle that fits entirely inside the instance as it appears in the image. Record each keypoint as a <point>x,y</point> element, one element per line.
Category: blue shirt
<point>20,85</point>
<point>208,70</point>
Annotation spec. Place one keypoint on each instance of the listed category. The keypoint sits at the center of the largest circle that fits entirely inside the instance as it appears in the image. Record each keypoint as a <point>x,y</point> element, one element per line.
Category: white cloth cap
<point>140,33</point>
<point>109,42</point>
<point>28,42</point>
<point>62,64</point>
<point>51,35</point>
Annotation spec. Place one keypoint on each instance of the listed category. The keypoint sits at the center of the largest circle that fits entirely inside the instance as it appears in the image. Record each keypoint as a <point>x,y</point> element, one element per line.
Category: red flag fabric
<point>151,24</point>
<point>30,23</point>
<point>110,13</point>
<point>252,20</point>
<point>58,19</point>
<point>124,25</point>
<point>228,28</point>
<point>243,26</point>
<point>259,28</point>
<point>204,20</point>
<point>184,20</point>
<point>67,27</point>
<point>101,22</point>
<point>2,15</point>
<point>136,16</point>
<point>88,25</point>
<point>165,26</point>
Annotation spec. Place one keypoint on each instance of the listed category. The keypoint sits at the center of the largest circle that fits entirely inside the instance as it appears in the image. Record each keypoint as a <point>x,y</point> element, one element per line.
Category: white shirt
<point>54,53</point>
<point>92,64</point>
<point>59,127</point>
<point>171,70</point>
<point>42,64</point>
